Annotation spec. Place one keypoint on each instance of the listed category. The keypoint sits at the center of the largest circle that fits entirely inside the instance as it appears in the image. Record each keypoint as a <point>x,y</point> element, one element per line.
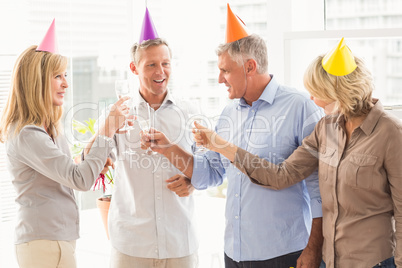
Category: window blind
<point>7,193</point>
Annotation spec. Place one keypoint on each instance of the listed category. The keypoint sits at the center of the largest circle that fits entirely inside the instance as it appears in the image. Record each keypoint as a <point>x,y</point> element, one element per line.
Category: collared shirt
<point>261,223</point>
<point>146,219</point>
<point>44,176</point>
<point>360,182</point>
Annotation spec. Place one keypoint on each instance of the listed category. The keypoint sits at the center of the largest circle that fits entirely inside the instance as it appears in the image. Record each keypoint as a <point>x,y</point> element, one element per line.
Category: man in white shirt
<point>151,218</point>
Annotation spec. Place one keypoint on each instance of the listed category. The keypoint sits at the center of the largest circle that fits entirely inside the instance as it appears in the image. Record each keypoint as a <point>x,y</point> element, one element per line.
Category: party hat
<point>339,61</point>
<point>49,42</point>
<point>235,27</point>
<point>148,28</point>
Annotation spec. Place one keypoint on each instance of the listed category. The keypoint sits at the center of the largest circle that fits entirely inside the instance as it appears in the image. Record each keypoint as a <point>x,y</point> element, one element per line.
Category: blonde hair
<point>30,100</point>
<point>351,93</point>
<point>136,49</point>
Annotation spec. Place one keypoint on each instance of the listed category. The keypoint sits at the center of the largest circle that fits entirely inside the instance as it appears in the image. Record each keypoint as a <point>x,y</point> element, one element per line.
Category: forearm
<point>229,150</point>
<point>312,253</point>
<point>398,238</point>
<point>105,130</point>
<point>316,238</point>
<point>90,143</point>
<point>181,159</point>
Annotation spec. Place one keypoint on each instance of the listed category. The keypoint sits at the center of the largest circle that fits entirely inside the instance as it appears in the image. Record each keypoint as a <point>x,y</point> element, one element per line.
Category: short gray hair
<point>250,47</point>
<point>137,48</point>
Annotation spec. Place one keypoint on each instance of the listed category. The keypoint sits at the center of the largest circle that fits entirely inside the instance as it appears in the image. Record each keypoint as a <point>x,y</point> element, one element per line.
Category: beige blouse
<point>360,184</point>
<point>44,176</point>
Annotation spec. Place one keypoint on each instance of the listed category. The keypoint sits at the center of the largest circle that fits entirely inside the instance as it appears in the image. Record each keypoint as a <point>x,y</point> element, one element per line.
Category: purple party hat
<point>148,30</point>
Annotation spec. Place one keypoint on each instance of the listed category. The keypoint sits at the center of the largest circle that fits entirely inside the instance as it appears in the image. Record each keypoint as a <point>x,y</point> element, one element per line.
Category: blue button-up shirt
<point>261,223</point>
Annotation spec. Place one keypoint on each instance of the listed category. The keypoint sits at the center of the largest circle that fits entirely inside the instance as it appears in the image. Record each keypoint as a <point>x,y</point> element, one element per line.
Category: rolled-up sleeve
<point>208,170</point>
<point>36,149</point>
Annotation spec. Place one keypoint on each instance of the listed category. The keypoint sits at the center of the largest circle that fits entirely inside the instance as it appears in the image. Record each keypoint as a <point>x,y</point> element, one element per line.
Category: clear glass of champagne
<point>147,125</point>
<point>195,115</point>
<point>131,117</point>
<point>122,89</point>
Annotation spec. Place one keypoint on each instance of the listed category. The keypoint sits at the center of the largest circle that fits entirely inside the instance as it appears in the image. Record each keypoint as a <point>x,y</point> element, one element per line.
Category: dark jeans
<point>285,261</point>
<point>388,263</point>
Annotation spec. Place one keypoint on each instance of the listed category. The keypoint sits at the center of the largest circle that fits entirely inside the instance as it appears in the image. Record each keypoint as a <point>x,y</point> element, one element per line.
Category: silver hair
<point>137,48</point>
<point>250,47</point>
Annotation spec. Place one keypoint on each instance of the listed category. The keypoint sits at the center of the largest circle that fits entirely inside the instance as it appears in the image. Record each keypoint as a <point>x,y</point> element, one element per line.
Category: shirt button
<point>238,173</point>
<point>236,217</point>
<point>158,197</point>
<point>156,251</point>
<point>237,195</point>
<point>159,218</point>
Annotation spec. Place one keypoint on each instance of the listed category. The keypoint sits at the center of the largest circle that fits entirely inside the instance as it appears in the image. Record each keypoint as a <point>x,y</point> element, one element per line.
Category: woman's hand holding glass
<point>122,89</point>
<point>116,118</point>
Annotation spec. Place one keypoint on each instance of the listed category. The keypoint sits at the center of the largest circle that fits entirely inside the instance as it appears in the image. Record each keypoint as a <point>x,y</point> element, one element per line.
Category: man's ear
<point>251,66</point>
<point>133,68</point>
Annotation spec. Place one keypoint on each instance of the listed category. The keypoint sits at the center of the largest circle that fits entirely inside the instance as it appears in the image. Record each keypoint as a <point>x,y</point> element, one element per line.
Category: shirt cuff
<point>196,178</point>
<point>106,139</point>
<point>102,147</point>
<point>316,208</point>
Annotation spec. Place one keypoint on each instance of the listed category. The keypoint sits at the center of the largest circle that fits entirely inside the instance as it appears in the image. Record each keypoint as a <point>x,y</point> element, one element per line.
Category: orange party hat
<point>235,27</point>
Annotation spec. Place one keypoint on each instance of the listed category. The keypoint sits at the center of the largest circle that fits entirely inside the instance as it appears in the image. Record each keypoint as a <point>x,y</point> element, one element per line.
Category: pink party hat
<point>148,28</point>
<point>49,42</point>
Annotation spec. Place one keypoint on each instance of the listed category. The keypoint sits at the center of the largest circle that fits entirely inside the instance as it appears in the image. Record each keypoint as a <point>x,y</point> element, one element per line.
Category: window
<point>7,194</point>
<point>368,35</point>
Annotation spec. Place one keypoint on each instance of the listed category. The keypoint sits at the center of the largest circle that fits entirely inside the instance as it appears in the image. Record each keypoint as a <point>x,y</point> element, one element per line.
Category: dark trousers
<point>285,261</point>
<point>388,263</point>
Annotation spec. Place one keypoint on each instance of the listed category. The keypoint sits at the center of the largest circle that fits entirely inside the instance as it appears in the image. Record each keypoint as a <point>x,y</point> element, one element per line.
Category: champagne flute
<point>146,124</point>
<point>122,89</point>
<point>195,115</point>
<point>131,117</point>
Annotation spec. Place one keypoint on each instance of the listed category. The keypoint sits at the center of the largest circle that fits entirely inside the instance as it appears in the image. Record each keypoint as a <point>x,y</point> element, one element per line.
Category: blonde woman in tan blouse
<point>40,163</point>
<point>356,149</point>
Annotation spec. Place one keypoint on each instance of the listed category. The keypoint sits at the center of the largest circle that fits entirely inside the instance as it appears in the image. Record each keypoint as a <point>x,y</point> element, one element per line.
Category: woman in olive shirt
<point>40,163</point>
<point>356,148</point>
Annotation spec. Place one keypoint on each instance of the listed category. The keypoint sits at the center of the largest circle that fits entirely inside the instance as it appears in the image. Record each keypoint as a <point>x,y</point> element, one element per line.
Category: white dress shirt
<point>146,219</point>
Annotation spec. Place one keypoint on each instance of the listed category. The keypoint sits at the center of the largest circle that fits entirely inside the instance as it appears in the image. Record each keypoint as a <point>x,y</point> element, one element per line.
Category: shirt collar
<point>168,99</point>
<point>369,123</point>
<point>372,118</point>
<point>268,95</point>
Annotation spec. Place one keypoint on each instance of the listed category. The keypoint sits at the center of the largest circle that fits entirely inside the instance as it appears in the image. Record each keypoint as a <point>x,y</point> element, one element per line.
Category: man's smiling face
<point>153,70</point>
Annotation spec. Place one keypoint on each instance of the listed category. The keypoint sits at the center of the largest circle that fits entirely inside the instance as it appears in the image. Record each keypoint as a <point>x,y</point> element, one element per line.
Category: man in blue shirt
<point>264,228</point>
